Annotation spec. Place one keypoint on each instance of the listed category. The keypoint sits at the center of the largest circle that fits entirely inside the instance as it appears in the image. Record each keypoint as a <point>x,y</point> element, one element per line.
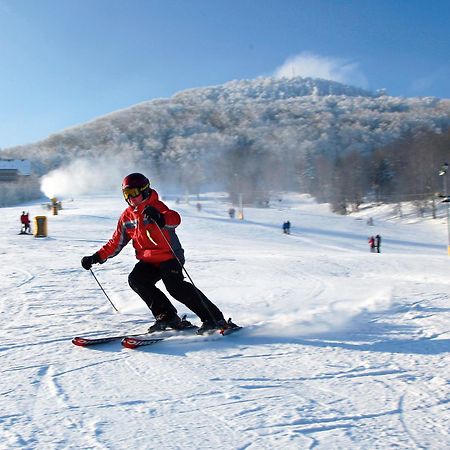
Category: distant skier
<point>378,243</point>
<point>231,213</point>
<point>287,227</point>
<point>372,244</point>
<point>150,224</point>
<point>25,221</point>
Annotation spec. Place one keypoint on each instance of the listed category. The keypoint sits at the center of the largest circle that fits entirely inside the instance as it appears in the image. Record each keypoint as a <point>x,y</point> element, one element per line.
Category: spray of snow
<point>342,314</point>
<point>85,176</point>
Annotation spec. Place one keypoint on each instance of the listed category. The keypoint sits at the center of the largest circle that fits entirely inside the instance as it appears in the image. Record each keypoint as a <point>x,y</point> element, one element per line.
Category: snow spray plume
<point>340,315</point>
<point>84,176</point>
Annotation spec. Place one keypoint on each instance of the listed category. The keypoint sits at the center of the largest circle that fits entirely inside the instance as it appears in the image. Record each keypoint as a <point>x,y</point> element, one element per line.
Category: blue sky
<point>65,62</point>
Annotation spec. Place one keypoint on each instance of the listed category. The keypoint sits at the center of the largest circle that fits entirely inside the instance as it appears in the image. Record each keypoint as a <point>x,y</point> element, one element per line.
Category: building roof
<point>23,166</point>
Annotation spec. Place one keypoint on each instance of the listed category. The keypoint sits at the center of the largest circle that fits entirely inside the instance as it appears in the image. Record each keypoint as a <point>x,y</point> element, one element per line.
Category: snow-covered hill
<point>275,121</point>
<point>343,349</point>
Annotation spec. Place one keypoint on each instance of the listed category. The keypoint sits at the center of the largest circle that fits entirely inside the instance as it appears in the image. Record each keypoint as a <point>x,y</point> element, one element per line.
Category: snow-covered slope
<point>343,349</point>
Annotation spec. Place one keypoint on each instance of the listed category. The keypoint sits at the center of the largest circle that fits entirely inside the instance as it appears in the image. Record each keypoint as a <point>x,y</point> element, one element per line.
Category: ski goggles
<point>133,192</point>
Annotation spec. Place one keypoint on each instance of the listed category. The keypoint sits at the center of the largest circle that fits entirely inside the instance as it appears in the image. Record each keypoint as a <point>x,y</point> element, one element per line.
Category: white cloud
<point>308,64</point>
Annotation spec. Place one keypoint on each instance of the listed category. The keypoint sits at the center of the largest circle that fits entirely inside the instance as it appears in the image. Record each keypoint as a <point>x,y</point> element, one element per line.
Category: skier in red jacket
<point>25,221</point>
<point>150,224</point>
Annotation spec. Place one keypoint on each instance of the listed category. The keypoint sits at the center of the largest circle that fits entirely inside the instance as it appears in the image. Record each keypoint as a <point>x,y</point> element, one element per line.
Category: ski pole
<point>187,274</point>
<point>101,287</point>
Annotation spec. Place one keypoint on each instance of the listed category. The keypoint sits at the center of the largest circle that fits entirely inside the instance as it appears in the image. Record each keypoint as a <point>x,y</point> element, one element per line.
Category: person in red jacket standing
<point>372,244</point>
<point>150,225</point>
<point>25,221</point>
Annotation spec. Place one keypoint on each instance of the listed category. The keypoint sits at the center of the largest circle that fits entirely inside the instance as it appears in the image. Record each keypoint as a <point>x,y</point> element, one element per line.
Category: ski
<point>133,342</point>
<point>156,336</point>
<point>139,341</point>
<point>82,341</point>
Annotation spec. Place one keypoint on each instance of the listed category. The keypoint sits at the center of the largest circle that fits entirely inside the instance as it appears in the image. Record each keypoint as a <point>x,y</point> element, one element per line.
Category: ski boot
<point>164,322</point>
<point>222,325</point>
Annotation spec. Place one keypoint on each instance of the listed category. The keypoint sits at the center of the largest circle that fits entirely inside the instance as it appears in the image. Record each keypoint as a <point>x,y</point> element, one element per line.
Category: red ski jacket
<point>148,242</point>
<point>24,219</point>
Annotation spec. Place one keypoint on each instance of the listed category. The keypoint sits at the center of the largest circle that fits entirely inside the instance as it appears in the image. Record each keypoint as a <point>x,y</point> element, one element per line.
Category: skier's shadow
<point>379,344</point>
<point>421,346</point>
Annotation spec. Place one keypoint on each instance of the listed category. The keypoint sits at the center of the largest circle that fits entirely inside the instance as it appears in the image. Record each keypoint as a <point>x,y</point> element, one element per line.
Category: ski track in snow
<point>342,348</point>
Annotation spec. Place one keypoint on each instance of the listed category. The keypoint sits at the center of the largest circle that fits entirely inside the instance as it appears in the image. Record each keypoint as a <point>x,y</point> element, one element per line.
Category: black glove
<point>154,215</point>
<point>87,261</point>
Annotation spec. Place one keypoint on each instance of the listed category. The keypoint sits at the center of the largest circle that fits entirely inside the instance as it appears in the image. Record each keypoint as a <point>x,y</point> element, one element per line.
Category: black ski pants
<point>143,278</point>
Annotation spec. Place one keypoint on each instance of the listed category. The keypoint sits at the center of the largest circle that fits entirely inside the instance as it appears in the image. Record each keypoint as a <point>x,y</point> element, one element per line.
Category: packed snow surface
<point>342,348</point>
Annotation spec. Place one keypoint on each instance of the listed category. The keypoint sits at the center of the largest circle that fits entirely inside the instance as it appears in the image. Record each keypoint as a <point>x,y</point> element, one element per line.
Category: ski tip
<point>129,343</point>
<point>79,341</point>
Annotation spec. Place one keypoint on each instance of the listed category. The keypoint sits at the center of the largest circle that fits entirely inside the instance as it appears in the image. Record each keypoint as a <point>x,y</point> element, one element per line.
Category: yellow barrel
<point>40,226</point>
